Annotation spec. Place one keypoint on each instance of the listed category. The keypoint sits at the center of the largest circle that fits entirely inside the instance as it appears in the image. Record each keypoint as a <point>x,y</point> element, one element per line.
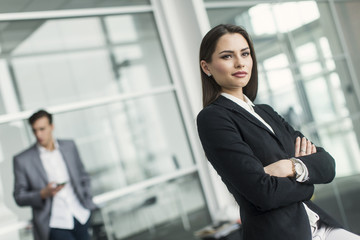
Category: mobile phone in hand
<point>60,184</point>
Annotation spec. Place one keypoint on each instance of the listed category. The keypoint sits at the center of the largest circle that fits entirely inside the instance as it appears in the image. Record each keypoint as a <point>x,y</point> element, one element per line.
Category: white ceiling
<point>13,33</point>
<point>11,6</point>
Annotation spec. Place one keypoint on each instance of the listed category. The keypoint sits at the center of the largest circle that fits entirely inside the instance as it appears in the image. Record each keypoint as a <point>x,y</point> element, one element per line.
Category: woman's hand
<point>281,168</point>
<point>304,147</point>
<point>284,168</point>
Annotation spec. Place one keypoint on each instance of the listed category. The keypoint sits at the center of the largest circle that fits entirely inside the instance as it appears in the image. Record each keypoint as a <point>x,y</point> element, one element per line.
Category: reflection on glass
<point>61,35</point>
<point>13,140</point>
<point>322,107</point>
<point>169,202</point>
<point>62,78</point>
<point>8,101</point>
<point>292,15</point>
<point>325,47</point>
<point>278,61</point>
<point>338,95</point>
<point>70,60</point>
<point>128,142</point>
<point>280,80</point>
<point>282,17</point>
<point>2,107</point>
<point>279,77</point>
<point>286,100</point>
<point>127,32</point>
<point>310,69</point>
<point>346,155</point>
<point>330,64</point>
<point>262,19</point>
<point>306,52</point>
<point>262,88</point>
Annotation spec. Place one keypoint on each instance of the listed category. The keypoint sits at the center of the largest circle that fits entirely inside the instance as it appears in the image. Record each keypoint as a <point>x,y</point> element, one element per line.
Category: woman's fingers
<point>313,149</point>
<point>308,148</point>
<point>303,146</point>
<point>297,146</point>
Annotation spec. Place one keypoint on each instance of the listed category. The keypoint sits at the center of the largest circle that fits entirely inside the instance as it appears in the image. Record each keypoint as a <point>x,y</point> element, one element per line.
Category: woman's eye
<point>245,54</point>
<point>226,56</point>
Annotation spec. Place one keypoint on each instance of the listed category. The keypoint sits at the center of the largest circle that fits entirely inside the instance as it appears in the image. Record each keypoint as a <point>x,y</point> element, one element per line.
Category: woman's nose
<point>238,63</point>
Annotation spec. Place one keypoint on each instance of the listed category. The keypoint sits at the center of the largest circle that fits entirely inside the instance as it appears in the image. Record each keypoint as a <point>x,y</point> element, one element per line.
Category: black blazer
<point>238,146</point>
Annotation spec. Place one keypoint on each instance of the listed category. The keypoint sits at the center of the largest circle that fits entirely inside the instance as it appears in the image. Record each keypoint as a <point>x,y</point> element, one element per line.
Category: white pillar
<point>182,25</point>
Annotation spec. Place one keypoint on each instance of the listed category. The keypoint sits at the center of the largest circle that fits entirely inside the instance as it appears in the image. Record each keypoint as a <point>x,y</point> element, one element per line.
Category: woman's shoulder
<point>213,113</point>
<point>270,111</point>
<point>212,109</point>
<point>266,108</point>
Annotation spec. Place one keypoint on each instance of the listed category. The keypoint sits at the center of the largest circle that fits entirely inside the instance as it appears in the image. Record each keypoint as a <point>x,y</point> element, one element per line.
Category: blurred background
<point>122,79</point>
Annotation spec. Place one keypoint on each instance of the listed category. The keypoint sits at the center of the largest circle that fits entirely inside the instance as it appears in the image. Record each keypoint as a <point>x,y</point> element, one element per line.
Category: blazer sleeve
<point>24,195</point>
<point>321,165</point>
<point>240,169</point>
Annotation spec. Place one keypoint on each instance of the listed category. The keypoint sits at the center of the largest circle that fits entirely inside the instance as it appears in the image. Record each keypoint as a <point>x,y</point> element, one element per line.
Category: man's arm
<point>23,194</point>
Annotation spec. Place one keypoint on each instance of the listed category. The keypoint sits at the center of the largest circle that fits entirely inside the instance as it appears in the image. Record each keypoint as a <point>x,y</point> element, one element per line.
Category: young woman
<point>269,167</point>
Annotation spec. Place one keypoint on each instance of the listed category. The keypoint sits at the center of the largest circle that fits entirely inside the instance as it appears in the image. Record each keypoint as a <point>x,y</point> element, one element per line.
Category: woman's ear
<point>205,67</point>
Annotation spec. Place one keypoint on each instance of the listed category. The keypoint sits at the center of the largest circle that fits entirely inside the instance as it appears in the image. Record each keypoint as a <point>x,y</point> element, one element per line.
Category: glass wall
<point>70,60</point>
<point>105,78</point>
<point>304,74</point>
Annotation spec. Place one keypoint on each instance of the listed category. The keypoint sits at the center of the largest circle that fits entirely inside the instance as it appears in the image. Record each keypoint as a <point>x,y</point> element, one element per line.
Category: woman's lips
<point>240,74</point>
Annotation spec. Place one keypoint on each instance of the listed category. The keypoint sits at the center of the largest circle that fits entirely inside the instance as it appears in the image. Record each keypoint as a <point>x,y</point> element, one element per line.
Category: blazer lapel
<point>38,164</point>
<point>68,159</point>
<point>273,121</point>
<point>267,118</point>
<point>227,103</point>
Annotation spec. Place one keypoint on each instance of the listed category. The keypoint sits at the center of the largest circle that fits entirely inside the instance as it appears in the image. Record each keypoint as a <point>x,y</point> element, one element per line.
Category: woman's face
<point>231,63</point>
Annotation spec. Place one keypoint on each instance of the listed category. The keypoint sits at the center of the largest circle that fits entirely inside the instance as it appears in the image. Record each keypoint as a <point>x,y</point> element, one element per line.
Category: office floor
<point>344,190</point>
<point>174,230</point>
<point>347,189</point>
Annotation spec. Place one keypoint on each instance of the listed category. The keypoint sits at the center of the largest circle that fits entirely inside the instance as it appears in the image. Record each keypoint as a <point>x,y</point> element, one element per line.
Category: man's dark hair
<point>39,114</point>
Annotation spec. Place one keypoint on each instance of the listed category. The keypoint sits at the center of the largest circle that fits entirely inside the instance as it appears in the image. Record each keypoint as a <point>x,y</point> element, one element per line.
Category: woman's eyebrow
<point>231,51</point>
<point>226,51</point>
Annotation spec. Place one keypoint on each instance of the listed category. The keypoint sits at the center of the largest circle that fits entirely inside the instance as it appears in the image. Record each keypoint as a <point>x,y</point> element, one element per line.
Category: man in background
<point>51,179</point>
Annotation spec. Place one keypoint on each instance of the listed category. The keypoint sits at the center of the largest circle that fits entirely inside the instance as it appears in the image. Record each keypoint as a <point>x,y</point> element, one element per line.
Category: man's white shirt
<point>65,204</point>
